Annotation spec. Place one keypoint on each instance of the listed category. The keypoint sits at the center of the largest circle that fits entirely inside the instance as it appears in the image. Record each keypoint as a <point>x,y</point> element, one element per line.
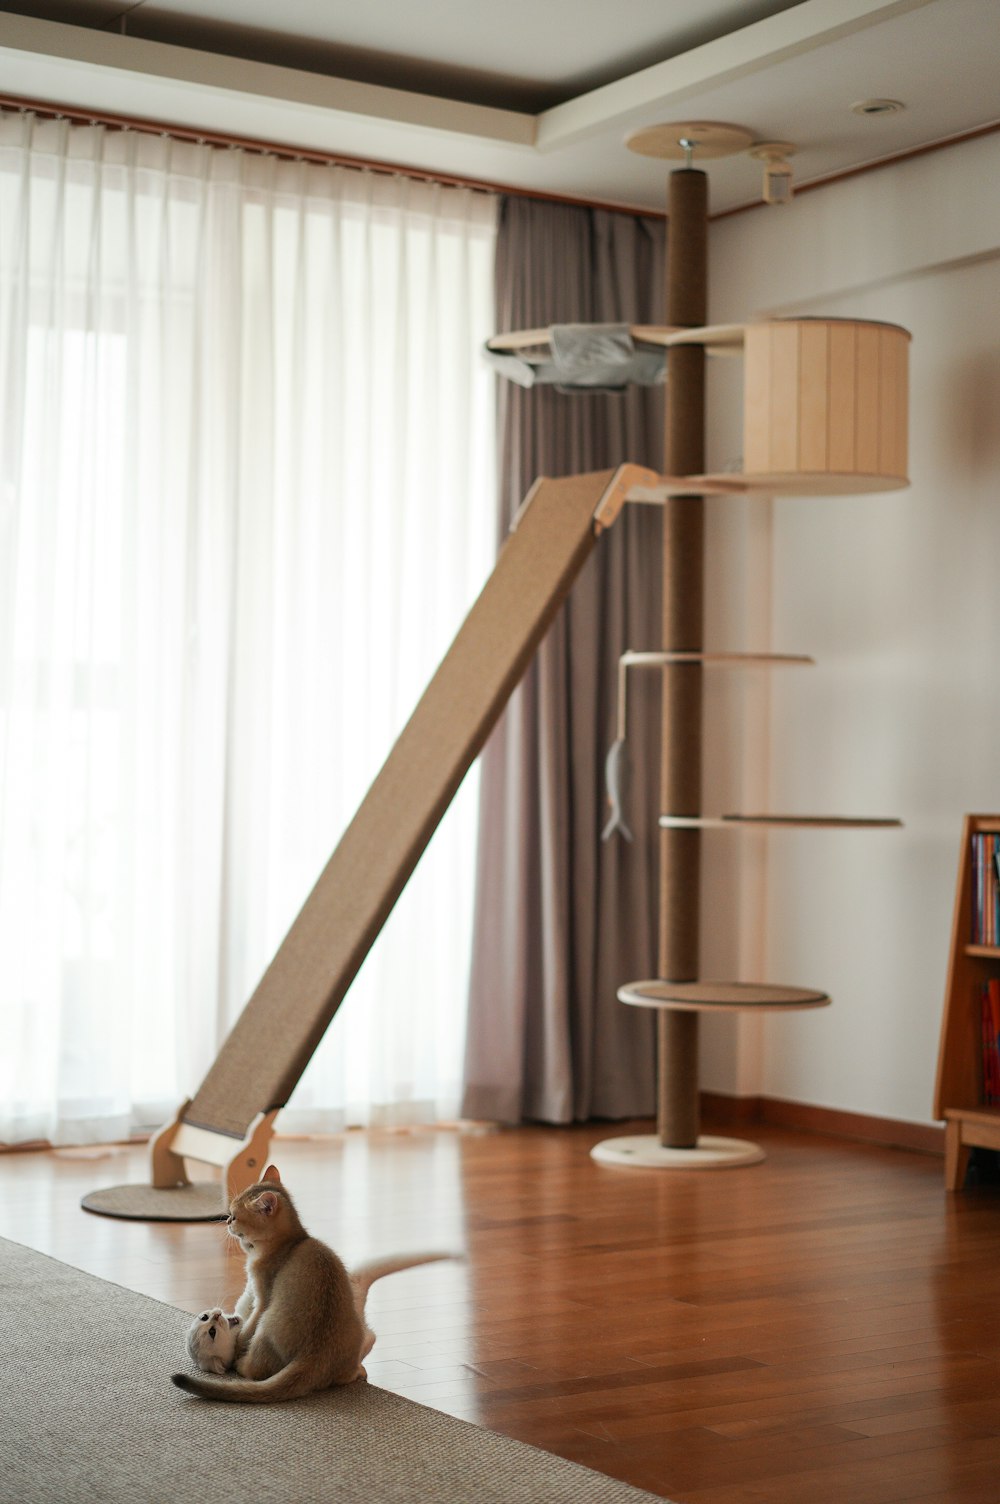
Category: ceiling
<point>532,94</point>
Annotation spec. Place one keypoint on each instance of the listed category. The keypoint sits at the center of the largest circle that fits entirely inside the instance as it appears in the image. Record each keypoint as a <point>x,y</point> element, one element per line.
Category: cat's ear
<point>271,1173</point>
<point>267,1203</point>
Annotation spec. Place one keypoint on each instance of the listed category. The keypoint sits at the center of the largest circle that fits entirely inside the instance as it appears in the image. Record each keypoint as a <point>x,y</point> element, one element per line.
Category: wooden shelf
<point>958,1088</point>
<point>718,339</point>
<point>768,483</point>
<point>633,659</point>
<point>825,404</point>
<point>665,487</point>
<point>782,822</point>
<point>984,1116</point>
<point>718,997</point>
<point>536,345</point>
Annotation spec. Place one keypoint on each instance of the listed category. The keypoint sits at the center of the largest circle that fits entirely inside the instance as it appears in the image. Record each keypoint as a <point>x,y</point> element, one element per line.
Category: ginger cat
<point>302,1313</point>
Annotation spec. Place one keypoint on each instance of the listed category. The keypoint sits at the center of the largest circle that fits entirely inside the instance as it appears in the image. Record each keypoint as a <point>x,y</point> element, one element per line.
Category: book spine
<point>985,918</point>
<point>977,908</point>
<point>990,1014</point>
<point>984,1039</point>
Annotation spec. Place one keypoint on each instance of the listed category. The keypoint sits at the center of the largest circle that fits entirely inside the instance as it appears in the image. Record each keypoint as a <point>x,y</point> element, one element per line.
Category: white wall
<point>898,598</point>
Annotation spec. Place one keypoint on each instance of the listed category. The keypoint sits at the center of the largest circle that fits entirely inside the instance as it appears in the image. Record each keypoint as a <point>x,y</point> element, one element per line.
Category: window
<point>246,498</point>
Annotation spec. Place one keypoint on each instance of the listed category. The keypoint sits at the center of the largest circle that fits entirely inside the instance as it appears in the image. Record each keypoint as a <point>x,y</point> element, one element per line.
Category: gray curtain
<point>563,919</point>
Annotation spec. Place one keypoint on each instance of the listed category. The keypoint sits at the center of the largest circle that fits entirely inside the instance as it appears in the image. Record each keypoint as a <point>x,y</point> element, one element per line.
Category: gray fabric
<point>586,357</point>
<point>88,1413</point>
<point>618,781</point>
<point>562,919</point>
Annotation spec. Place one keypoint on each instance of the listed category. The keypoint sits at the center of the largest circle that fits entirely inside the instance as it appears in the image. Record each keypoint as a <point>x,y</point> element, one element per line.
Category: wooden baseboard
<point>730,1112</point>
<point>721,1111</point>
<point>890,1133</point>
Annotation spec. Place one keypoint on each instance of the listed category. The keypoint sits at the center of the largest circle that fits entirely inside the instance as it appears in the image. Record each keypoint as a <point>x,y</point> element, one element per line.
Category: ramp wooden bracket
<point>241,1160</point>
<point>626,478</point>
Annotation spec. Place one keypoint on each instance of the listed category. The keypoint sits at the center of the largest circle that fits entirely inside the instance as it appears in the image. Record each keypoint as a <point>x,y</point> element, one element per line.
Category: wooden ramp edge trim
<point>272,1041</point>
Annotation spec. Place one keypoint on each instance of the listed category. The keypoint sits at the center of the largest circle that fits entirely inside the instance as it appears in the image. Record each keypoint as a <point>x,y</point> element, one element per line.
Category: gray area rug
<point>88,1413</point>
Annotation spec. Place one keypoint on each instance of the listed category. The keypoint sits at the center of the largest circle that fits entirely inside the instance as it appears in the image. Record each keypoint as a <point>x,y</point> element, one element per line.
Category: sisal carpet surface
<point>88,1413</point>
<point>199,1202</point>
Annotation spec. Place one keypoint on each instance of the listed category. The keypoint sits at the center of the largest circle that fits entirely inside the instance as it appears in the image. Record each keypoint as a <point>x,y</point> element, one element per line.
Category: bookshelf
<point>960,1096</point>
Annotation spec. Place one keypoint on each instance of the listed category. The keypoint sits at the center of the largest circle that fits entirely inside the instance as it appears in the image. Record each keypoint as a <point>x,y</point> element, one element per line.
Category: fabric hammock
<point>582,357</point>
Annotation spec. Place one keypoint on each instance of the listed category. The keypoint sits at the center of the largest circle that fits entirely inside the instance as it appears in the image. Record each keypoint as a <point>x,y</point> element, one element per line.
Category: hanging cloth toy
<point>618,778</point>
<point>618,767</point>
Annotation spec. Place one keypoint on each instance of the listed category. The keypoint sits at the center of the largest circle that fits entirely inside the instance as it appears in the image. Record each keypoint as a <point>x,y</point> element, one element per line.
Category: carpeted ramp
<point>88,1415</point>
<point>275,1036</point>
<point>273,1040</point>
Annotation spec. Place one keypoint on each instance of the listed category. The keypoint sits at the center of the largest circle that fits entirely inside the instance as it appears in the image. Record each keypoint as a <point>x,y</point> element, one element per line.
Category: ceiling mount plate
<point>709,138</point>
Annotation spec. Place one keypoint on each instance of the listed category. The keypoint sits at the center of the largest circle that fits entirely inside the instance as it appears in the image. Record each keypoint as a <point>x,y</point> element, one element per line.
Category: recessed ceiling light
<point>878,107</point>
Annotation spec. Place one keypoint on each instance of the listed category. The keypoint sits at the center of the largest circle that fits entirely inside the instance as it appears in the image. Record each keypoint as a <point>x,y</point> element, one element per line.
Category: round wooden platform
<point>779,822</point>
<point>768,483</point>
<point>718,997</point>
<point>641,659</point>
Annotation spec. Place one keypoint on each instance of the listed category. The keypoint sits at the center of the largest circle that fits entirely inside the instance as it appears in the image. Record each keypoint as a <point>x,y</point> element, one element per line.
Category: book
<point>985,857</point>
<point>990,1017</point>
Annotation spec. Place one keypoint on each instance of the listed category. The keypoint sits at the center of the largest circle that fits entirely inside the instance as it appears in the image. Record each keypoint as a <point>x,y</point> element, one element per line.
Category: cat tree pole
<point>808,394</point>
<point>678,1141</point>
<point>683,624</point>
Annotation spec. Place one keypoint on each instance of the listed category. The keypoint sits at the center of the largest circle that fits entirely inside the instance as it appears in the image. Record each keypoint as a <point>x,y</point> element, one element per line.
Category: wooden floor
<point>822,1328</point>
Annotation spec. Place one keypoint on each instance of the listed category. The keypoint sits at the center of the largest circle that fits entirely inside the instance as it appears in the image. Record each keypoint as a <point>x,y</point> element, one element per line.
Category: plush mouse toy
<point>211,1341</point>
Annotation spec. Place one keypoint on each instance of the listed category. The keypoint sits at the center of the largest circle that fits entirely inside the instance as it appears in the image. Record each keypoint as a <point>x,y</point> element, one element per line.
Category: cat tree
<point>824,412</point>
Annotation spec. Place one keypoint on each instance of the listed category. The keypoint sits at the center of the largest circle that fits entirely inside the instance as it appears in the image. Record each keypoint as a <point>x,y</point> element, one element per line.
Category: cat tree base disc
<point>645,1152</point>
<point>201,1202</point>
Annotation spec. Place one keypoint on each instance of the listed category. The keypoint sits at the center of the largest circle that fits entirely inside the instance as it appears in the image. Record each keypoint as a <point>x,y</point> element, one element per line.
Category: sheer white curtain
<point>246,497</point>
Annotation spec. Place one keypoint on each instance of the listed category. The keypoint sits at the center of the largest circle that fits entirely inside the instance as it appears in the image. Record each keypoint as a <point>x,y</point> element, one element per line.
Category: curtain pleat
<point>246,499</point>
<point>562,918</point>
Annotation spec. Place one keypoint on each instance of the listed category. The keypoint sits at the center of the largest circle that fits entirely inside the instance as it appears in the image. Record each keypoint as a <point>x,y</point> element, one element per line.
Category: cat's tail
<point>288,1383</point>
<point>365,1275</point>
